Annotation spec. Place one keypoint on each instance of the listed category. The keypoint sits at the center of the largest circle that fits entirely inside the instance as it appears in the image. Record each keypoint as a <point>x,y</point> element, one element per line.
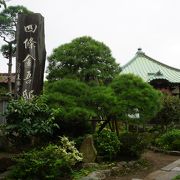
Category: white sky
<point>123,25</point>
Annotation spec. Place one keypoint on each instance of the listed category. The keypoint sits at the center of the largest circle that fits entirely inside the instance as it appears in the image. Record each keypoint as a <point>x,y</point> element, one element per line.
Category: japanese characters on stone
<point>30,57</point>
<point>28,62</point>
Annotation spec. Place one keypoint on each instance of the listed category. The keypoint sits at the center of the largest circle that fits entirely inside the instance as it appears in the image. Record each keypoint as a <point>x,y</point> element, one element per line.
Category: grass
<point>176,178</point>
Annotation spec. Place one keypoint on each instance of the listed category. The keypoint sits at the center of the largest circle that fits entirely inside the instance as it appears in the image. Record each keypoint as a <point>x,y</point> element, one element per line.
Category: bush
<point>132,145</point>
<point>47,163</point>
<point>70,96</point>
<point>74,122</point>
<point>27,119</point>
<point>170,140</point>
<point>107,143</point>
<point>169,114</point>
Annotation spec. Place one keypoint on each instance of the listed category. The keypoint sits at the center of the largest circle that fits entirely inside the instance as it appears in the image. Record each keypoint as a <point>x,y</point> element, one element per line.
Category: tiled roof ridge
<point>128,63</point>
<point>160,63</point>
<point>138,54</point>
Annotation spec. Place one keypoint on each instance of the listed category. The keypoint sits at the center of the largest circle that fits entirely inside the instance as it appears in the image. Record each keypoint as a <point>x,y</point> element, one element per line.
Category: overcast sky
<point>123,25</point>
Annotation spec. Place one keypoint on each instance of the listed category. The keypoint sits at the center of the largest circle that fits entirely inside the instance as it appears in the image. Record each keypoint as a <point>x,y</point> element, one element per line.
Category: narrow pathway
<point>166,173</point>
<point>157,160</point>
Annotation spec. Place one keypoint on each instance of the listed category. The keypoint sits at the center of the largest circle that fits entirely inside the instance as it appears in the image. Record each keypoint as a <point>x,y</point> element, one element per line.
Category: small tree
<point>103,101</point>
<point>3,3</point>
<point>8,23</point>
<point>85,59</point>
<point>134,95</point>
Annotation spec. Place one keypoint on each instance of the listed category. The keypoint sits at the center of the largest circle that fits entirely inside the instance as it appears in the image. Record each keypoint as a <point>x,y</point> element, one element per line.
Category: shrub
<point>169,114</point>
<point>107,143</point>
<point>132,145</point>
<point>49,162</point>
<point>70,96</point>
<point>27,119</point>
<point>74,122</point>
<point>176,177</point>
<point>170,140</point>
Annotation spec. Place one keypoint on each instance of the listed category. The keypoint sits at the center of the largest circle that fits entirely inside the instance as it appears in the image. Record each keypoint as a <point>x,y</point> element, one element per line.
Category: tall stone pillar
<point>30,55</point>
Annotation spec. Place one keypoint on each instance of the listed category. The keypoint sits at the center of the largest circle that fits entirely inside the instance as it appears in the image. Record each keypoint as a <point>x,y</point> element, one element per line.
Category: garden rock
<point>97,175</point>
<point>123,163</point>
<point>131,163</point>
<point>89,165</point>
<point>115,170</point>
<point>88,150</point>
<point>119,165</point>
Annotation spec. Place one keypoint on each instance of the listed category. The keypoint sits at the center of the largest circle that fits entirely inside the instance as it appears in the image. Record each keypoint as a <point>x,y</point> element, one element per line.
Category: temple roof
<point>149,69</point>
<point>4,77</point>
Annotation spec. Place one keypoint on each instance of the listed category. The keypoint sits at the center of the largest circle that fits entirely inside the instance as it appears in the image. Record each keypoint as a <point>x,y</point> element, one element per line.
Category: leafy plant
<point>26,119</point>
<point>170,140</point>
<point>132,145</point>
<point>107,143</point>
<point>78,174</point>
<point>49,162</point>
<point>169,114</point>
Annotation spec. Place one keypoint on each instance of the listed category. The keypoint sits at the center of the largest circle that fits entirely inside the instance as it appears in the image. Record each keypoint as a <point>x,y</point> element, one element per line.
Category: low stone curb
<point>155,149</point>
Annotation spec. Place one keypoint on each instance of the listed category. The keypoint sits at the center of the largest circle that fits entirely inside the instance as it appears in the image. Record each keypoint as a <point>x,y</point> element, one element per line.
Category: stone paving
<point>166,173</point>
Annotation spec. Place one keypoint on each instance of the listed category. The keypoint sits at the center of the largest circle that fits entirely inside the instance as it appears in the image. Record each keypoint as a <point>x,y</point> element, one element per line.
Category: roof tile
<point>149,69</point>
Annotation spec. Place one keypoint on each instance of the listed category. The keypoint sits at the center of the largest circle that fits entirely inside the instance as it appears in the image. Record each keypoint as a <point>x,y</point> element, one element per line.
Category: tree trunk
<point>113,125</point>
<point>110,126</point>
<point>103,125</point>
<point>117,128</point>
<point>10,68</point>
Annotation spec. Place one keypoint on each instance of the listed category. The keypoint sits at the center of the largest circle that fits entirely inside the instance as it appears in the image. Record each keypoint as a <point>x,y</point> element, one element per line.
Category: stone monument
<point>30,55</point>
<point>88,150</point>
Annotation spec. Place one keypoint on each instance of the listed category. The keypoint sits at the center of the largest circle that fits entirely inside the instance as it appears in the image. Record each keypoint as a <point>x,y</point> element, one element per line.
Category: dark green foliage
<point>78,141</point>
<point>170,140</point>
<point>70,96</point>
<point>75,122</point>
<point>66,92</point>
<point>50,162</point>
<point>5,51</point>
<point>8,21</point>
<point>107,143</point>
<point>29,118</point>
<point>8,24</point>
<point>3,3</point>
<point>135,94</point>
<point>103,101</point>
<point>170,112</point>
<point>132,145</point>
<point>176,178</point>
<point>85,59</point>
